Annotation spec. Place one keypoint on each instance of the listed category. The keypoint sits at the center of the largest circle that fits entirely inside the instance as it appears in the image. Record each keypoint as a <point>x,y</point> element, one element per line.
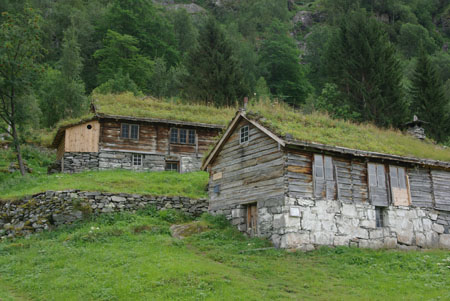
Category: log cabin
<point>303,194</point>
<point>106,141</point>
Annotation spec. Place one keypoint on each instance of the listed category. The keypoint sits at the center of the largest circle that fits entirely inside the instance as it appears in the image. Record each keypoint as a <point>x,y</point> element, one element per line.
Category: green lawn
<point>132,257</point>
<point>120,181</point>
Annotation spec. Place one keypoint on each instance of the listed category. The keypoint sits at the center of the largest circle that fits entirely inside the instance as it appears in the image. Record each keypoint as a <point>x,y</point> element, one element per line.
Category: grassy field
<point>120,181</point>
<point>133,257</point>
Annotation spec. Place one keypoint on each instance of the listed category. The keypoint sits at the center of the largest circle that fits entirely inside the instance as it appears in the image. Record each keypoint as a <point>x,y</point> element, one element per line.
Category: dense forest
<point>378,61</point>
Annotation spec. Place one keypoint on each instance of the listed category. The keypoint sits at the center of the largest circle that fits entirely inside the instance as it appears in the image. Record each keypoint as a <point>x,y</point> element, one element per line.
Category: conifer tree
<point>428,99</point>
<point>214,73</point>
<point>363,64</point>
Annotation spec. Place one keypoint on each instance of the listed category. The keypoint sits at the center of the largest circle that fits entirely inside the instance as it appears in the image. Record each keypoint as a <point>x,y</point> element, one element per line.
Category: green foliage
<point>412,37</point>
<point>151,31</point>
<point>429,101</point>
<point>214,73</point>
<point>62,92</point>
<point>121,54</point>
<point>120,83</point>
<point>362,63</point>
<point>139,260</point>
<point>173,216</point>
<point>285,77</point>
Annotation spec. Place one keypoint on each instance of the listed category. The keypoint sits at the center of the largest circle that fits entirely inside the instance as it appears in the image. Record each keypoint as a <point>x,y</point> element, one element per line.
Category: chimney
<point>415,128</point>
<point>245,103</point>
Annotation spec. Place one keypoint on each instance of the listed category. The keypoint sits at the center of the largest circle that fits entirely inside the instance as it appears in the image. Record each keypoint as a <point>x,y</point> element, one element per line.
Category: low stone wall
<point>306,224</point>
<point>52,208</point>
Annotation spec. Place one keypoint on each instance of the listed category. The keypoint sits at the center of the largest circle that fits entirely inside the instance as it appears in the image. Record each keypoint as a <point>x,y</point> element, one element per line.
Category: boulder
<point>186,230</point>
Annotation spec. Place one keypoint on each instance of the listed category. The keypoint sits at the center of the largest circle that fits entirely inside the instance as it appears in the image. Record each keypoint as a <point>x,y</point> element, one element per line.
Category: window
<point>399,187</point>
<point>243,134</point>
<point>137,159</point>
<point>377,184</point>
<point>182,136</point>
<point>130,131</point>
<point>379,216</point>
<point>173,135</point>
<point>171,166</point>
<point>324,179</point>
<point>191,137</point>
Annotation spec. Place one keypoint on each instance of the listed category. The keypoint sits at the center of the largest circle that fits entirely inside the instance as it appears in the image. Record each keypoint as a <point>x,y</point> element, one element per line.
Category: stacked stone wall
<point>104,160</point>
<point>78,162</point>
<point>53,208</point>
<point>307,224</point>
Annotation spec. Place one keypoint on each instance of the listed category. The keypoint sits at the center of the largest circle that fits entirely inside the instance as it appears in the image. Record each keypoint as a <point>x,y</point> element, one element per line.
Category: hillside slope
<point>133,257</point>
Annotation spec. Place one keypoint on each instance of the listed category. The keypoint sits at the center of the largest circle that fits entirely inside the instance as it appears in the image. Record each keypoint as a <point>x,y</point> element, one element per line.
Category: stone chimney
<point>415,128</point>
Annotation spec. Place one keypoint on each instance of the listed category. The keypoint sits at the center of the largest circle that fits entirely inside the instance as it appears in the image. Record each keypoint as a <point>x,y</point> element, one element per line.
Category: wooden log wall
<point>154,138</point>
<point>299,174</point>
<point>248,172</point>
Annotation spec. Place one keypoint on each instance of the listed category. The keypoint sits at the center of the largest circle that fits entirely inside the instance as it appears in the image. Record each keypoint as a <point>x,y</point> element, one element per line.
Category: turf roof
<point>281,119</point>
<point>320,128</point>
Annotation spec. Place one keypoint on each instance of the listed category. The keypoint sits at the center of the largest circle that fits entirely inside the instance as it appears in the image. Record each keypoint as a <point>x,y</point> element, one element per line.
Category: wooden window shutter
<point>318,166</point>
<point>329,174</point>
<point>399,189</point>
<point>377,185</point>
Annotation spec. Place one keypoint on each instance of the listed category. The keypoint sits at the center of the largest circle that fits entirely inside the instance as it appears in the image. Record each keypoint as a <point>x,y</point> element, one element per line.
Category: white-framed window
<point>182,136</point>
<point>137,159</point>
<point>244,134</point>
<point>130,131</point>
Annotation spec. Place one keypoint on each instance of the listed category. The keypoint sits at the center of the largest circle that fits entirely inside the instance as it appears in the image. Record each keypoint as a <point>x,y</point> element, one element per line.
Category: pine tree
<point>363,64</point>
<point>428,99</point>
<point>285,76</point>
<point>62,91</point>
<point>214,73</point>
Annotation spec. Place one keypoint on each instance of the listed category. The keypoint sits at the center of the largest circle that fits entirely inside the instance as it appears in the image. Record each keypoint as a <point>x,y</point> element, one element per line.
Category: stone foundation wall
<point>77,162</point>
<point>103,160</point>
<point>52,208</point>
<point>307,224</point>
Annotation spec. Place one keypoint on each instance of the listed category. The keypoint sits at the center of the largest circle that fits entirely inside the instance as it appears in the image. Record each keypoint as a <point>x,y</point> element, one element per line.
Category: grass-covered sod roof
<point>127,104</point>
<point>320,128</point>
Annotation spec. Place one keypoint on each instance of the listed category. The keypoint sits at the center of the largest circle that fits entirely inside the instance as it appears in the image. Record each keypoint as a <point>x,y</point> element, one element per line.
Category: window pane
<point>318,166</point>
<point>244,134</point>
<point>393,175</point>
<point>137,159</point>
<point>381,177</point>
<point>174,136</point>
<point>329,168</point>
<point>134,131</point>
<point>401,178</point>
<point>372,171</point>
<point>172,166</point>
<point>182,136</point>
<point>125,131</point>
<point>191,136</point>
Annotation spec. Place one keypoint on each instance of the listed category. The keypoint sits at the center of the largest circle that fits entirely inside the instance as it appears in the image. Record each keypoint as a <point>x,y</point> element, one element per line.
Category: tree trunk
<point>16,143</point>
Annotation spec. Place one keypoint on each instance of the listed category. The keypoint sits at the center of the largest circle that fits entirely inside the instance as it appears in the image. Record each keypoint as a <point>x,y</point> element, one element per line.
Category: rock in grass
<point>185,230</point>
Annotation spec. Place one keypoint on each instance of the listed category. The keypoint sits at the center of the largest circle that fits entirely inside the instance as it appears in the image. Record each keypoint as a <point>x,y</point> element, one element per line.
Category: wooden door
<point>252,219</point>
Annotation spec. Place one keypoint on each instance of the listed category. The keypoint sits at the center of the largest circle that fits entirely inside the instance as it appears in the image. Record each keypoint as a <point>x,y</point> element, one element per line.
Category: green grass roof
<point>127,104</point>
<point>320,128</point>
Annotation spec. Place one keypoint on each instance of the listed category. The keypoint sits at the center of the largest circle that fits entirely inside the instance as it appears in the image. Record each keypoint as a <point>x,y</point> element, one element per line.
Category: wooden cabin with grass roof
<point>143,134</point>
<point>307,180</point>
